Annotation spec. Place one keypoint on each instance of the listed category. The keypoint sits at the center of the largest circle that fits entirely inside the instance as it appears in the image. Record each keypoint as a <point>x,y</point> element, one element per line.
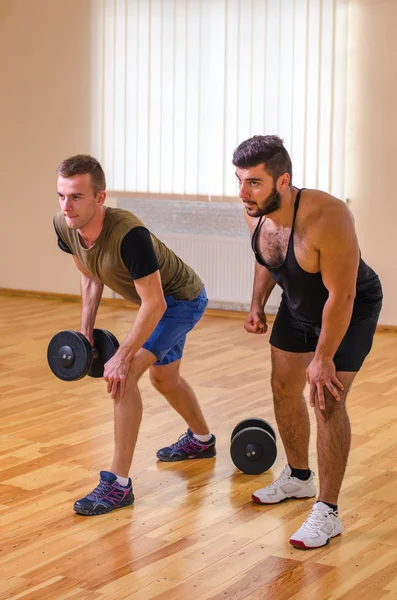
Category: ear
<point>101,197</point>
<point>283,182</point>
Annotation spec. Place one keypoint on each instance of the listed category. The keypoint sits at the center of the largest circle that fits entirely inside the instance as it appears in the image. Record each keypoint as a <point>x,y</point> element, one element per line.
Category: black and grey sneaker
<point>107,496</point>
<point>187,447</point>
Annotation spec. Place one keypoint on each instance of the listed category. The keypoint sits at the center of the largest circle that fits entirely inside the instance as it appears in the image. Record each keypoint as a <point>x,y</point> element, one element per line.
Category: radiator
<point>226,266</point>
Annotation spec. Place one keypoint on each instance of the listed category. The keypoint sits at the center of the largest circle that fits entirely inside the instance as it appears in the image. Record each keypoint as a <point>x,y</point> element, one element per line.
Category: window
<point>180,83</point>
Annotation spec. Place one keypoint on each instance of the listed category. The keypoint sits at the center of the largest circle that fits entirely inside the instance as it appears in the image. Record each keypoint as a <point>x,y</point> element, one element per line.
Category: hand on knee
<point>131,392</point>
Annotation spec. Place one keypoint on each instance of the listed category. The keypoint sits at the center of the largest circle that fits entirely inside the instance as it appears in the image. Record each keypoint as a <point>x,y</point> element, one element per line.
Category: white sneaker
<point>321,525</point>
<point>285,487</point>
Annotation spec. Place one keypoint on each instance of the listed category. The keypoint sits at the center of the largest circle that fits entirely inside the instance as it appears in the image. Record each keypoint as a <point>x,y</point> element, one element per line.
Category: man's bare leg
<point>333,441</point>
<point>168,381</point>
<point>112,493</point>
<point>288,383</point>
<point>128,414</point>
<point>333,444</point>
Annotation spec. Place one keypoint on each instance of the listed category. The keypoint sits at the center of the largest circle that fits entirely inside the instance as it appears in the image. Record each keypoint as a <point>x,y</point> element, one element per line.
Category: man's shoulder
<point>324,210</point>
<point>326,218</point>
<point>120,215</point>
<point>123,220</point>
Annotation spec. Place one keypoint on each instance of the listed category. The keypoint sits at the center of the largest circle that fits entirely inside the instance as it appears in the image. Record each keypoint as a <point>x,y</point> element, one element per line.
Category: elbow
<point>155,309</point>
<point>350,294</point>
<point>352,297</point>
<point>162,307</point>
<point>89,277</point>
<point>158,312</point>
<point>343,297</point>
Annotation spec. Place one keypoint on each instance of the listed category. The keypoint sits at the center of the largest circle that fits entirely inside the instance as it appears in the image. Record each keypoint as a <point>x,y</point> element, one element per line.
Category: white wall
<point>372,139</point>
<point>44,117</point>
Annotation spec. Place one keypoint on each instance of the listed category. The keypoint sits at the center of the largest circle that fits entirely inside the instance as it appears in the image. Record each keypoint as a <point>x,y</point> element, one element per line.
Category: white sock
<point>203,438</point>
<point>122,480</point>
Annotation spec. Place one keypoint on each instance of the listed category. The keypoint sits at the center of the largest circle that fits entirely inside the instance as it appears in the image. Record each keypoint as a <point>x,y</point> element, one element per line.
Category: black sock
<point>302,474</point>
<point>333,506</point>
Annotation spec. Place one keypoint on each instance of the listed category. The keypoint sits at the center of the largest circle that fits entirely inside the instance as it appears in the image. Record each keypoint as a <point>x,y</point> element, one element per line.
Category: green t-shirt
<point>126,249</point>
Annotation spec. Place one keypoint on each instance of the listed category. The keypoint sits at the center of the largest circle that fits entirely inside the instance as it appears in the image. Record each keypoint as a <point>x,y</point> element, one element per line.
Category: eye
<point>254,183</point>
<point>75,197</point>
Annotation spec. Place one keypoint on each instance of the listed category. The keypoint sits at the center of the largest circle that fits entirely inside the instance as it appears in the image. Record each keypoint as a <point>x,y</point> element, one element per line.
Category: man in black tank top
<point>305,241</point>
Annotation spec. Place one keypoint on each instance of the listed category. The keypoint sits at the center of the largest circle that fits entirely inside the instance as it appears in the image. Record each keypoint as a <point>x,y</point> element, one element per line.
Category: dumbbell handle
<point>95,353</point>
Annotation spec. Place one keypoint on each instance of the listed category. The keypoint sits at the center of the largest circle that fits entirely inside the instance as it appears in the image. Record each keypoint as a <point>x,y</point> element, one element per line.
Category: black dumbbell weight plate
<point>106,344</point>
<point>69,355</point>
<point>261,423</point>
<point>253,450</point>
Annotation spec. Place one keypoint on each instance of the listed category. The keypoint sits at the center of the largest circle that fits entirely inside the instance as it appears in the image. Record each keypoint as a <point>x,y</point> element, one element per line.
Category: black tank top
<point>305,292</point>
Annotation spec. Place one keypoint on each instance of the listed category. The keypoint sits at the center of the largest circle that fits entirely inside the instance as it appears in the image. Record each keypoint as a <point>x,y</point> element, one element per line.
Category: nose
<point>243,192</point>
<point>67,204</point>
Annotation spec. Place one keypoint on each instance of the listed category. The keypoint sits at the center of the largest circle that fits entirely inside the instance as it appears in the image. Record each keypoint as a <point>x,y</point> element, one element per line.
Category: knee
<point>333,408</point>
<point>280,390</point>
<point>163,385</point>
<point>133,377</point>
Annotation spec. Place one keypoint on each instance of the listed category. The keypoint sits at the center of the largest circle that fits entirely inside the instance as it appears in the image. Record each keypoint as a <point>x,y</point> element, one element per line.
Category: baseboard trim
<point>210,312</point>
<point>62,297</point>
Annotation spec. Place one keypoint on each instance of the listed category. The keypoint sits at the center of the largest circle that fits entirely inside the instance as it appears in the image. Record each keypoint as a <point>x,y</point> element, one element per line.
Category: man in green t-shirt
<point>112,247</point>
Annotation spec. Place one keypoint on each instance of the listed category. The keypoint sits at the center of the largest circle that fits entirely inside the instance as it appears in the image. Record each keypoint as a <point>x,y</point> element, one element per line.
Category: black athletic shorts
<point>292,334</point>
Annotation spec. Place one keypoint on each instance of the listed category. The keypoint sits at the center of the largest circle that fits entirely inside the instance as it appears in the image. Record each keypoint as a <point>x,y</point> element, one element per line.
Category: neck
<point>284,215</point>
<point>92,230</point>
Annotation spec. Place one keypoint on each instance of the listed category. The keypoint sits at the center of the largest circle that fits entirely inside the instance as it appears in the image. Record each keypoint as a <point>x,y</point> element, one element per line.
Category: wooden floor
<point>193,531</point>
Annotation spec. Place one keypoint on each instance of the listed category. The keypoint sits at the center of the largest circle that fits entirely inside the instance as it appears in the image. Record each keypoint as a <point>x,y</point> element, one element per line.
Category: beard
<point>270,204</point>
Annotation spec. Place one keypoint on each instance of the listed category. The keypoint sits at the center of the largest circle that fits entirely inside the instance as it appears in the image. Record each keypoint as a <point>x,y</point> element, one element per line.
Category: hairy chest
<point>273,244</point>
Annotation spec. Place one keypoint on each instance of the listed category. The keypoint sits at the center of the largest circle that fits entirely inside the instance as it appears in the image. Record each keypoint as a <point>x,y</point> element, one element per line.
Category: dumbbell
<point>70,356</point>
<point>253,446</point>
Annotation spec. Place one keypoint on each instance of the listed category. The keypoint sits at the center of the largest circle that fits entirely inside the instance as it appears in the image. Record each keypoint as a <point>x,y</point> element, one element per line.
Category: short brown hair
<point>82,164</point>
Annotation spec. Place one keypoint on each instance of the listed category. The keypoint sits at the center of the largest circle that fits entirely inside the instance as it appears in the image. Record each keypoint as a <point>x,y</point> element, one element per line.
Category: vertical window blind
<point>178,84</point>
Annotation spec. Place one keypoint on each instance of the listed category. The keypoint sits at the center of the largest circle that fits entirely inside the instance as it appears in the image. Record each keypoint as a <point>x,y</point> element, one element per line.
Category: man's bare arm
<point>262,288</point>
<point>91,294</point>
<point>151,310</point>
<point>339,260</point>
<point>263,281</point>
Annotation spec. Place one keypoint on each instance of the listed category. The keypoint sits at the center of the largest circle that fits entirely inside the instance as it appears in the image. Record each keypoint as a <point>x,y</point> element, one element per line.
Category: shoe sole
<point>301,545</point>
<point>181,458</point>
<point>258,501</point>
<point>87,513</point>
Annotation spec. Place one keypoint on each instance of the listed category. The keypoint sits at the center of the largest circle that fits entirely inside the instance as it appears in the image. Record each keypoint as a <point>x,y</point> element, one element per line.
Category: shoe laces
<point>101,489</point>
<point>181,441</point>
<point>283,478</point>
<point>315,520</point>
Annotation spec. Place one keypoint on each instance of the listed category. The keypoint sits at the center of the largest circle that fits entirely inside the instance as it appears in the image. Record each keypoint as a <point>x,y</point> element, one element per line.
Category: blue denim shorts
<point>168,339</point>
